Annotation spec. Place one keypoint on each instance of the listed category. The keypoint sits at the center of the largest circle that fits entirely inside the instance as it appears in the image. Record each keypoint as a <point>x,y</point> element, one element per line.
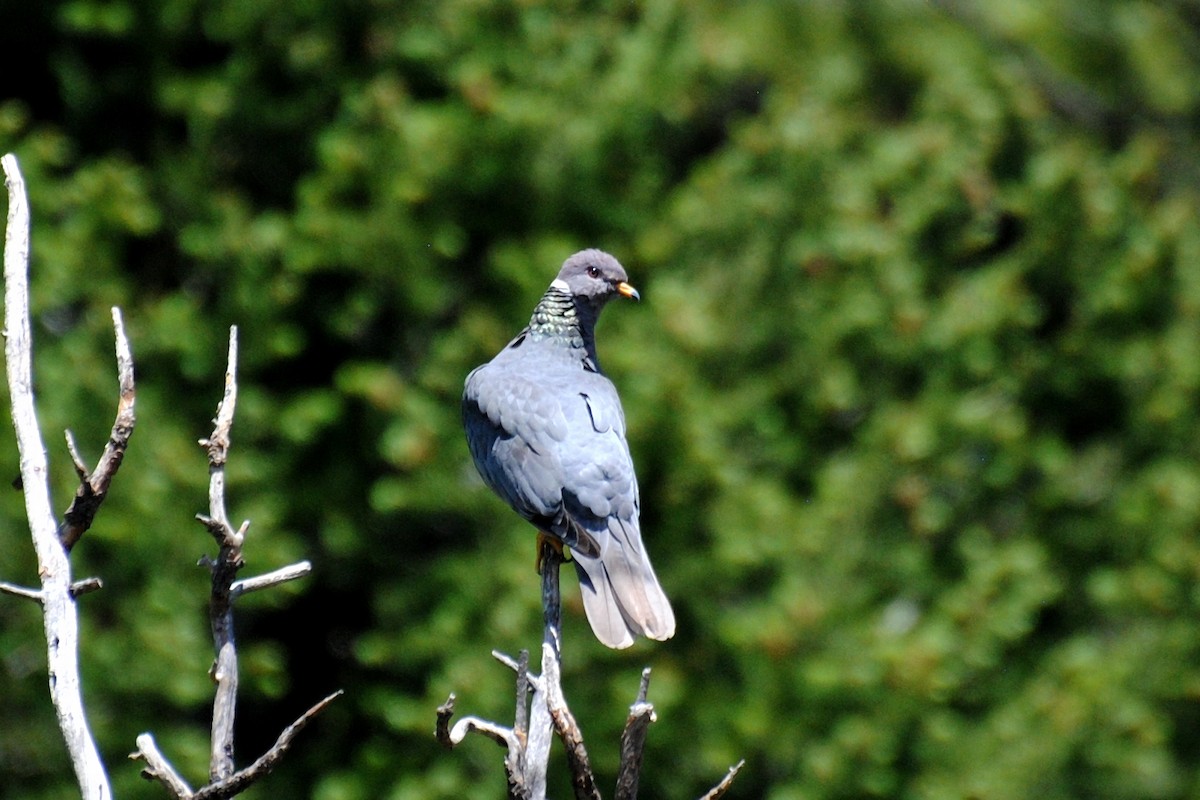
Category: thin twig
<point>552,559</point>
<point>533,681</point>
<point>633,742</point>
<point>58,607</point>
<point>721,788</point>
<point>239,781</point>
<point>497,733</point>
<point>506,660</point>
<point>81,469</point>
<point>521,722</point>
<point>514,760</point>
<point>93,486</point>
<point>158,768</point>
<point>224,570</point>
<point>273,578</point>
<point>86,586</point>
<point>444,713</point>
<point>218,444</point>
<point>644,686</point>
<point>21,591</point>
<point>450,737</point>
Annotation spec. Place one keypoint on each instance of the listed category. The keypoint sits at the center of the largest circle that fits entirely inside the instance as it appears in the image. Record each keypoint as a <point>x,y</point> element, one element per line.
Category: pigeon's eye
<point>593,272</point>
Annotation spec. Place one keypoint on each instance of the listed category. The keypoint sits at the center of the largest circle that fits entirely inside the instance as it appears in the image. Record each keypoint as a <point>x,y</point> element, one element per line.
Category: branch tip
<point>644,688</point>
<point>721,788</point>
<point>81,469</point>
<point>158,768</point>
<point>86,586</point>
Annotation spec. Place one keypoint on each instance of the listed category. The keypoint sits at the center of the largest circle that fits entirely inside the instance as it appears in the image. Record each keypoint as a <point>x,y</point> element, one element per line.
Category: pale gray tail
<point>621,594</point>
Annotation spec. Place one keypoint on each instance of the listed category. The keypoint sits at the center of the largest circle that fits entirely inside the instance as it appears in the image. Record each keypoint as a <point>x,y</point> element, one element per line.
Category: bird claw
<point>544,541</point>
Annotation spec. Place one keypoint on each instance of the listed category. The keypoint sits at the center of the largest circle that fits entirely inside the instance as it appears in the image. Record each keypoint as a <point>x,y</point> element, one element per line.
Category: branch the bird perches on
<point>539,718</point>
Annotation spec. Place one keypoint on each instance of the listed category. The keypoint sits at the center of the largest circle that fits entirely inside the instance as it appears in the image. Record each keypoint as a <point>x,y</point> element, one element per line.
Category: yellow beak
<point>627,290</point>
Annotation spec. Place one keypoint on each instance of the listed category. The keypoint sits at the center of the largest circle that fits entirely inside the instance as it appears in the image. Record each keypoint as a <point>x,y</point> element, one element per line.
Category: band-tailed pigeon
<point>547,432</point>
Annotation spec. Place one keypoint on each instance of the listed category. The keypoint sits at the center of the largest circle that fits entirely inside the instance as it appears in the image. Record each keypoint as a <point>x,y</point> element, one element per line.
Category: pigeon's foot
<point>545,540</point>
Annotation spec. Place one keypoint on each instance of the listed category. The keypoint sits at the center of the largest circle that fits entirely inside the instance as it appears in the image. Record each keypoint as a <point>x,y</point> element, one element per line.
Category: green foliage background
<point>912,392</point>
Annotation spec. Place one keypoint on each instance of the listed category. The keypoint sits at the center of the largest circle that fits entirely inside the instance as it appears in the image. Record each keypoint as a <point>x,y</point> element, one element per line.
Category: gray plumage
<point>547,432</point>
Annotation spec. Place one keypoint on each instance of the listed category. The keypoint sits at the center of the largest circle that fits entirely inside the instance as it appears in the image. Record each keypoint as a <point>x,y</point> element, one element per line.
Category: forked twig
<point>93,485</point>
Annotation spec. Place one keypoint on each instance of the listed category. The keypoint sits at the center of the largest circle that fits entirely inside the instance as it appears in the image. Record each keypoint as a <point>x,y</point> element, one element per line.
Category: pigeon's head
<point>594,276</point>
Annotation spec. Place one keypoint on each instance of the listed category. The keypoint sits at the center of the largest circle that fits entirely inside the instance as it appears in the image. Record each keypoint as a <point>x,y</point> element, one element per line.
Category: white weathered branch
<point>497,733</point>
<point>274,578</point>
<point>158,768</point>
<point>21,591</point>
<point>58,604</point>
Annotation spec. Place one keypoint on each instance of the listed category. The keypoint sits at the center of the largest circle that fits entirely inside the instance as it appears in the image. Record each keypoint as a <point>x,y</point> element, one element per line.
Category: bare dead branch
<point>644,686</point>
<point>497,733</point>
<point>86,586</point>
<point>274,578</point>
<point>81,469</point>
<point>633,742</point>
<point>444,714</point>
<point>546,714</point>
<point>582,779</point>
<point>225,675</point>
<point>224,570</point>
<point>224,780</point>
<point>721,788</point>
<point>218,443</point>
<point>521,721</point>
<point>241,780</point>
<point>541,727</point>
<point>21,591</point>
<point>159,769</point>
<point>551,701</point>
<point>451,737</point>
<point>534,681</point>
<point>506,660</point>
<point>528,741</point>
<point>58,607</point>
<point>93,486</point>
<point>514,760</point>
